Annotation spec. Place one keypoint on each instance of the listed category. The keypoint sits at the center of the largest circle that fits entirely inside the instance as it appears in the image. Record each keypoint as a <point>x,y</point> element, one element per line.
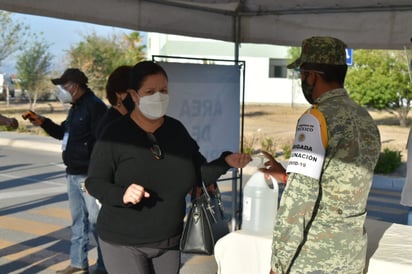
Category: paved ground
<point>34,238</point>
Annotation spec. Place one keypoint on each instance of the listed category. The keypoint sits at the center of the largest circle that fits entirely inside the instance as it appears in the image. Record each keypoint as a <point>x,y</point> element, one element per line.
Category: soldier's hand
<point>273,167</point>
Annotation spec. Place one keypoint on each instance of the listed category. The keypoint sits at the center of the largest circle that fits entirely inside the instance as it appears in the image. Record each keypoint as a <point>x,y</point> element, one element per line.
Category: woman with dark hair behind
<point>116,93</point>
<point>142,169</point>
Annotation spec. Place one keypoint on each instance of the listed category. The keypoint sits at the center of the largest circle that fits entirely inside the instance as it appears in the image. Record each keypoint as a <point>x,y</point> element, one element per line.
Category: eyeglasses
<point>155,148</point>
<point>300,70</point>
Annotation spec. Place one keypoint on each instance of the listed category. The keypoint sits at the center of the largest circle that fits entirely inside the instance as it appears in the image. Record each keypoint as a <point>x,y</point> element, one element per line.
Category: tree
<point>10,35</point>
<point>33,68</point>
<point>98,56</point>
<point>134,49</point>
<point>10,41</point>
<point>380,79</point>
<point>294,53</point>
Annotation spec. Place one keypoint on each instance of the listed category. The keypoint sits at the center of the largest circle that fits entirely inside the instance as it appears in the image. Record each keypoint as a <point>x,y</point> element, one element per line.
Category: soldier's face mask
<point>307,89</point>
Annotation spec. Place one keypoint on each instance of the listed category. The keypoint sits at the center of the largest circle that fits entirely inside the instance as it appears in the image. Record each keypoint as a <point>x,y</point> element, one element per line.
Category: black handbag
<point>205,224</point>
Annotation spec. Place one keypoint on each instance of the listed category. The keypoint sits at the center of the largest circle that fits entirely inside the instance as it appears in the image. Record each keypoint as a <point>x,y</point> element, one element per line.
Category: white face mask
<point>154,106</point>
<point>63,95</point>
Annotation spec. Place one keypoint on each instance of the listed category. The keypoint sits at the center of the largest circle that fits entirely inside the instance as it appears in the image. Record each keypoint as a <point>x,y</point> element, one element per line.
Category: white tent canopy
<point>383,24</point>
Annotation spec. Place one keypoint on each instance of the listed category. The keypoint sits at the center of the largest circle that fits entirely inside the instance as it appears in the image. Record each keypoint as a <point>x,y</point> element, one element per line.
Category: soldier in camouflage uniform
<point>320,222</point>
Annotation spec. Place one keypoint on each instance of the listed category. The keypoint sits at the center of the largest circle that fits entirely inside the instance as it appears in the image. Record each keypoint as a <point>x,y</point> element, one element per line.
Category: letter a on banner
<point>311,139</point>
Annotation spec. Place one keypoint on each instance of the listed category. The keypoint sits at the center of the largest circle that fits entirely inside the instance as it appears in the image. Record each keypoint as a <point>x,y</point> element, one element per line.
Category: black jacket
<point>81,123</point>
<point>123,156</point>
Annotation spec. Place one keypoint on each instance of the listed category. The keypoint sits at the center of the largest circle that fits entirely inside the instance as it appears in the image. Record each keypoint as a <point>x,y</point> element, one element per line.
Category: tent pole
<point>236,32</point>
<point>235,198</point>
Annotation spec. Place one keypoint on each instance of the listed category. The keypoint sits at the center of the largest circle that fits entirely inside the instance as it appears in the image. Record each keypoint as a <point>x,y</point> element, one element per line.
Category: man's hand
<point>34,118</point>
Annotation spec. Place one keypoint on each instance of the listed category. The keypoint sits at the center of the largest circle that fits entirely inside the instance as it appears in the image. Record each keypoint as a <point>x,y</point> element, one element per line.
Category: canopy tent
<point>383,24</point>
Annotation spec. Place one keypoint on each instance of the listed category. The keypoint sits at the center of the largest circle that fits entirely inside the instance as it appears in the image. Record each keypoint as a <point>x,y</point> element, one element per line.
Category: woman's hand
<point>134,194</point>
<point>273,168</point>
<point>238,160</point>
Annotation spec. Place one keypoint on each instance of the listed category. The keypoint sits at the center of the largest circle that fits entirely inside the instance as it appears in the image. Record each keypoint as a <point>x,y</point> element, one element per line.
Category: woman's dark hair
<point>331,73</point>
<point>141,70</point>
<point>117,83</point>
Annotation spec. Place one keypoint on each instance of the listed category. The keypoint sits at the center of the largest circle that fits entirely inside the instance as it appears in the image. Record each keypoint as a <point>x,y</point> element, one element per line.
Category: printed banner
<point>308,152</point>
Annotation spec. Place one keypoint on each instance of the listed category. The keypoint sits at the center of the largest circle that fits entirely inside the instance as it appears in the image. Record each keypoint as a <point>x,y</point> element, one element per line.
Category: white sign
<point>205,98</point>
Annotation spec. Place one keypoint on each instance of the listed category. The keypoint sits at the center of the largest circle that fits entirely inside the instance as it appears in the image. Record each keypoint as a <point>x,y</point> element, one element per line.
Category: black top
<point>122,157</point>
<point>110,116</point>
<point>80,124</point>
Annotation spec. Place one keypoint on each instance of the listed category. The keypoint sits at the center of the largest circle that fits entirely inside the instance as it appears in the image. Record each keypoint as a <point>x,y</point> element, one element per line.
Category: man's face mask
<point>154,106</point>
<point>63,95</point>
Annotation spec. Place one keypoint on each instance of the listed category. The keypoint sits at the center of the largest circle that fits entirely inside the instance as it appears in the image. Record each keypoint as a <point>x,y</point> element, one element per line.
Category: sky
<point>60,34</point>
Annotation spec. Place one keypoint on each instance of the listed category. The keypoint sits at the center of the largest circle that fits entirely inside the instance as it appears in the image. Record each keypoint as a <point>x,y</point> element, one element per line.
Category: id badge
<point>65,140</point>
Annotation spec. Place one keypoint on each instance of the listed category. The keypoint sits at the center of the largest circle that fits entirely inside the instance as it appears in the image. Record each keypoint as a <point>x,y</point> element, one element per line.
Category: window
<point>277,68</point>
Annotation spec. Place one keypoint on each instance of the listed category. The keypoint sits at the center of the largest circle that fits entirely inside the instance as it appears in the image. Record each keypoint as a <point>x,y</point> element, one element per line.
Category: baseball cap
<point>73,75</point>
<point>321,50</point>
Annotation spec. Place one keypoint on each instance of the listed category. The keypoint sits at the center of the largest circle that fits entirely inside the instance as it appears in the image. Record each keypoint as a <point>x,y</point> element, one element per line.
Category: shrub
<point>287,150</point>
<point>248,144</point>
<point>6,128</point>
<point>389,160</point>
<point>268,145</point>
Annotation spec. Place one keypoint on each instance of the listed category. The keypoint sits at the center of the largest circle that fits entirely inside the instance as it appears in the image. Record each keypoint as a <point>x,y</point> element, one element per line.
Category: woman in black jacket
<point>141,171</point>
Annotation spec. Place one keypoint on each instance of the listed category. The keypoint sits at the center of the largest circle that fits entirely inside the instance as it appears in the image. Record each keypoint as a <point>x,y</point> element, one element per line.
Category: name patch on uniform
<point>308,152</point>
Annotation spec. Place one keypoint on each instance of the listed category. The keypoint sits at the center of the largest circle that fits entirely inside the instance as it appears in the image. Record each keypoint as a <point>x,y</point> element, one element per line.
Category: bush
<point>389,160</point>
<point>287,151</point>
<point>249,144</point>
<point>268,145</point>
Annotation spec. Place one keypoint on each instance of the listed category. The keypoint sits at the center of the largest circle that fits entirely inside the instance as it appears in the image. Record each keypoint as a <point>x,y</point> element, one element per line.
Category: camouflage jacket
<point>327,235</point>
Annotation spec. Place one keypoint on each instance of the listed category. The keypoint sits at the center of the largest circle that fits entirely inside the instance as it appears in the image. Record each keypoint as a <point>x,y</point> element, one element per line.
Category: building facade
<point>267,80</point>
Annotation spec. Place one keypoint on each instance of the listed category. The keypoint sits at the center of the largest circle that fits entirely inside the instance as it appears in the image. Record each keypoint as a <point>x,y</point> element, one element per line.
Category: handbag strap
<point>205,196</point>
<point>218,196</point>
<point>208,200</point>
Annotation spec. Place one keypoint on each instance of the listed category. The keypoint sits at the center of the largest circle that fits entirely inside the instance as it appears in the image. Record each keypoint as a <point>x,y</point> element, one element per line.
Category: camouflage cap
<point>321,50</point>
